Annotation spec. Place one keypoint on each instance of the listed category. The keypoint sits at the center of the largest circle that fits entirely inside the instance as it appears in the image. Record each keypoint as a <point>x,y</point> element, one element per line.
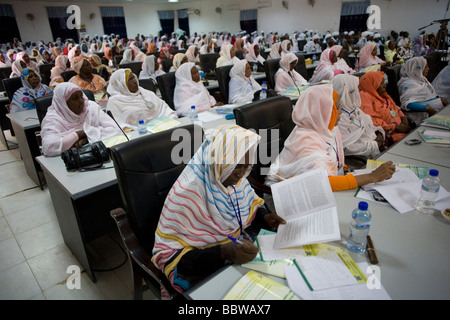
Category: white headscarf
<point>128,107</point>
<point>274,54</point>
<point>127,56</point>
<point>148,69</point>
<point>284,77</point>
<point>241,88</point>
<point>414,86</point>
<point>225,56</point>
<point>190,53</point>
<point>190,93</point>
<point>251,55</point>
<point>356,127</point>
<point>442,83</point>
<point>284,45</point>
<point>326,69</point>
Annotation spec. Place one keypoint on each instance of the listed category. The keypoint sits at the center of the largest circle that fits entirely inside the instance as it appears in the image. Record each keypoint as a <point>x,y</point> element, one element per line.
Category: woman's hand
<point>273,220</point>
<point>380,140</point>
<point>82,139</point>
<point>383,172</point>
<point>430,110</point>
<point>444,101</point>
<point>239,253</point>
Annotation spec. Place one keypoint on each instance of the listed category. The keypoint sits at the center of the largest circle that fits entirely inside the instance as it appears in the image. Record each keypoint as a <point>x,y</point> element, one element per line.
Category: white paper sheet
<point>401,175</point>
<point>355,292</point>
<point>207,116</point>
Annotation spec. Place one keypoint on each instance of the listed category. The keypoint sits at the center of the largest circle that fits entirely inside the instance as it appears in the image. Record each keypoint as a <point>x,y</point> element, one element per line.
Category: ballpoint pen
<point>237,241</point>
<point>371,251</point>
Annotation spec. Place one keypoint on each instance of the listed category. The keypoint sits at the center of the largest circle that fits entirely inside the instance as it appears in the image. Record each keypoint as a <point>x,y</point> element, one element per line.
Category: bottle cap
<point>363,206</point>
<point>434,172</point>
<point>141,121</point>
<point>192,107</point>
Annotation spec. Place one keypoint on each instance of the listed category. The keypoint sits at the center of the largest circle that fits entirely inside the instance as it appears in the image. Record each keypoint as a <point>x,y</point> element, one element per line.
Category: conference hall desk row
<point>83,200</point>
<point>412,248</point>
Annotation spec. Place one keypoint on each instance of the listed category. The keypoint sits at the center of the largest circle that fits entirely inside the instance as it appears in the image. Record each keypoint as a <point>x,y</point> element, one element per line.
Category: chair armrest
<point>259,187</point>
<point>138,253</point>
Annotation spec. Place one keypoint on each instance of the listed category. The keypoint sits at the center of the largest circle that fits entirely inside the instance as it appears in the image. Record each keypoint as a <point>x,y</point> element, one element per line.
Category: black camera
<point>93,155</point>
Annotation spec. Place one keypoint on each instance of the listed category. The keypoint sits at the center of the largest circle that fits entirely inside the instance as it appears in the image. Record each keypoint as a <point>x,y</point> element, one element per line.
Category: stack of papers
<point>419,171</point>
<point>437,121</point>
<point>161,123</point>
<point>435,136</point>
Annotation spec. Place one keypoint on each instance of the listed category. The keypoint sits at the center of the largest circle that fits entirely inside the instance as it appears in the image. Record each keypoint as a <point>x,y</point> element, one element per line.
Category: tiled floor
<point>33,256</point>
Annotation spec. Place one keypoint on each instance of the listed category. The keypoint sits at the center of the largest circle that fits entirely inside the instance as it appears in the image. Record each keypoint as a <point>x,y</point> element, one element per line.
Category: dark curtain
<point>354,23</point>
<point>249,25</point>
<point>60,30</point>
<point>183,21</point>
<point>167,26</point>
<point>249,20</point>
<point>9,29</point>
<point>115,25</point>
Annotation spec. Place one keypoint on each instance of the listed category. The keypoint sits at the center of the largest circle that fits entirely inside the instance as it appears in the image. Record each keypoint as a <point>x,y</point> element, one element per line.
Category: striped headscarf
<point>198,211</point>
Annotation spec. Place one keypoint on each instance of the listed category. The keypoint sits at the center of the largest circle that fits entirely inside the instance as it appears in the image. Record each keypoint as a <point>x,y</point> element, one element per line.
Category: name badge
<point>356,122</point>
<point>393,113</point>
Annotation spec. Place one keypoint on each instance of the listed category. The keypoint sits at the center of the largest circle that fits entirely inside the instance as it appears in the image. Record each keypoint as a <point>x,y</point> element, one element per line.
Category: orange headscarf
<point>334,112</point>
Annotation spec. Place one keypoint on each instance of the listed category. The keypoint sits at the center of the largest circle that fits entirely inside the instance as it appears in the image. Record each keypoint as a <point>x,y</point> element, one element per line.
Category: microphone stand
<point>112,117</point>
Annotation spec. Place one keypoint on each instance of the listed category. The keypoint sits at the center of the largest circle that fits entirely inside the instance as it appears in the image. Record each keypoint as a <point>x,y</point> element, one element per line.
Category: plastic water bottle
<point>142,128</point>
<point>255,67</point>
<point>359,228</point>
<point>193,115</point>
<point>429,192</point>
<point>263,94</point>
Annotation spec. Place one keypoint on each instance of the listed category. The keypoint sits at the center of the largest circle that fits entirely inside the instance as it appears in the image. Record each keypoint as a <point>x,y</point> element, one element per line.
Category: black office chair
<point>146,164</point>
<point>154,53</point>
<point>301,44</point>
<point>301,66</point>
<point>117,59</point>
<point>42,104</point>
<point>67,75</point>
<point>104,61</point>
<point>223,77</point>
<point>275,115</point>
<point>147,84</point>
<point>89,94</point>
<point>166,85</point>
<point>45,72</point>
<point>208,63</point>
<point>271,67</point>
<point>167,64</point>
<point>135,67</point>
<point>11,85</point>
<point>393,75</point>
<point>434,65</point>
<point>100,54</point>
<point>5,72</point>
<point>103,72</point>
<point>239,54</point>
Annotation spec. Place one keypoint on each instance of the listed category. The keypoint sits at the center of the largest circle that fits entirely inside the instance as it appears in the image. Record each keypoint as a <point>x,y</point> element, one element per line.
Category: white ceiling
<point>122,1</point>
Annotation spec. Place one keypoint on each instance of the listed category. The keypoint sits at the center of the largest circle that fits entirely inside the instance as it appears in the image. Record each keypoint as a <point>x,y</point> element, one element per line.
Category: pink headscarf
<point>366,59</point>
<point>325,70</point>
<point>60,120</point>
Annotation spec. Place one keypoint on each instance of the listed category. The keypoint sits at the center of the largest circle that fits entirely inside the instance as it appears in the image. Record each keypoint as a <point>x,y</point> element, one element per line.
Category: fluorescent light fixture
<point>173,0</point>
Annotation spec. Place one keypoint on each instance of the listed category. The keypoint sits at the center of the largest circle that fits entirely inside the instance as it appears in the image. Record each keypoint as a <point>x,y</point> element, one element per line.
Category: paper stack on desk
<point>437,121</point>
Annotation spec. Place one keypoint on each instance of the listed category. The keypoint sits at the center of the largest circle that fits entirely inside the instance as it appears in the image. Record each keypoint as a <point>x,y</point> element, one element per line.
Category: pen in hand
<point>371,251</point>
<point>237,241</point>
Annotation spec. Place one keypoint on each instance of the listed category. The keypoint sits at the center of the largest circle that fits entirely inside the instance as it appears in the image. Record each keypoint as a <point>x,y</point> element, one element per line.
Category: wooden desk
<point>25,124</point>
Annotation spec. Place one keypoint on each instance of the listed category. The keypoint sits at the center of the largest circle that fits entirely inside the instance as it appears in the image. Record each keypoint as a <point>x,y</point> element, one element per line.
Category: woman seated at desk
<point>97,64</point>
<point>193,55</point>
<point>275,51</point>
<point>210,201</point>
<point>341,64</point>
<point>130,103</point>
<point>286,76</point>
<point>326,69</point>
<point>416,92</point>
<point>359,135</point>
<point>73,121</point>
<point>442,83</point>
<point>150,69</point>
<point>380,107</point>
<point>227,57</point>
<point>368,57</point>
<point>285,47</point>
<point>28,62</point>
<point>178,60</point>
<point>317,142</point>
<point>32,88</point>
<point>242,86</point>
<point>85,79</point>
<point>391,54</point>
<point>253,56</point>
<point>61,64</point>
<point>190,91</point>
<point>128,57</point>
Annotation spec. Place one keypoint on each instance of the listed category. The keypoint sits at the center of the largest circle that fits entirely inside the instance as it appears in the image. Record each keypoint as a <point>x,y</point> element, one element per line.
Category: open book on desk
<point>437,121</point>
<point>307,204</point>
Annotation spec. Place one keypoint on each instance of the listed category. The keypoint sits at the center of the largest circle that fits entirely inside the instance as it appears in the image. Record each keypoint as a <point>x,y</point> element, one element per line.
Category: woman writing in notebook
<point>210,202</point>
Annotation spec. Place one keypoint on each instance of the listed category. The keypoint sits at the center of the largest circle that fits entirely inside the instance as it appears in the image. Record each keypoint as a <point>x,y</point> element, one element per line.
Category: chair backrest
<point>104,61</point>
<point>11,85</point>
<point>42,104</point>
<point>135,67</point>
<point>89,94</point>
<point>301,66</point>
<point>301,44</point>
<point>239,54</point>
<point>167,64</point>
<point>434,61</point>
<point>147,84</point>
<point>100,54</point>
<point>223,78</point>
<point>208,61</point>
<point>117,59</point>
<point>154,53</point>
<point>45,72</point>
<point>103,72</point>
<point>382,56</point>
<point>273,114</point>
<point>166,85</point>
<point>67,75</point>
<point>5,72</point>
<point>145,173</point>
<point>271,67</point>
<point>393,75</point>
